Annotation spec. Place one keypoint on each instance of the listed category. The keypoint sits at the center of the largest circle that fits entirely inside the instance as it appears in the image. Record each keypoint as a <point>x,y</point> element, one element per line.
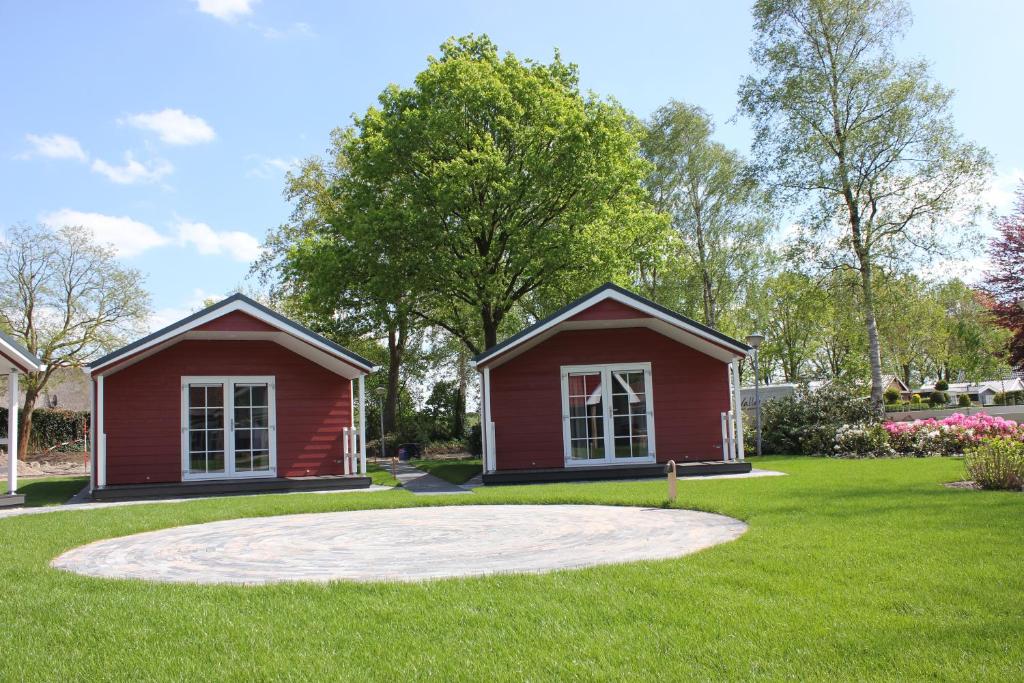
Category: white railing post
<point>344,450</point>
<point>738,415</point>
<point>362,425</point>
<point>101,437</point>
<point>732,436</point>
<point>725,437</point>
<point>12,432</point>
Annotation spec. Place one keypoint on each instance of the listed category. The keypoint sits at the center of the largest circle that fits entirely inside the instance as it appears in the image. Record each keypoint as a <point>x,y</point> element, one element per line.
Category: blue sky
<point>167,125</point>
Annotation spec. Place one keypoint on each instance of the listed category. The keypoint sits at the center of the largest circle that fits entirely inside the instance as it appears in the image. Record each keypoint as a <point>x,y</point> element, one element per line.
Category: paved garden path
<point>406,544</point>
<point>415,480</point>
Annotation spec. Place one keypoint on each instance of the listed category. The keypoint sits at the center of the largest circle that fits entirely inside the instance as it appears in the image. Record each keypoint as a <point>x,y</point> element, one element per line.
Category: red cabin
<point>611,386</point>
<point>233,398</point>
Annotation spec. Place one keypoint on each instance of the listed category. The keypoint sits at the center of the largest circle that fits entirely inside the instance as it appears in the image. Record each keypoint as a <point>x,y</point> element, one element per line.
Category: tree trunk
<point>490,319</point>
<point>906,374</point>
<point>874,351</point>
<point>396,351</point>
<point>459,419</point>
<point>25,422</point>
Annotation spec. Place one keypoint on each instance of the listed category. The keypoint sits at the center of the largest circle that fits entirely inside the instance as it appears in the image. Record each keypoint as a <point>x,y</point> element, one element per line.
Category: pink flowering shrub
<point>949,436</point>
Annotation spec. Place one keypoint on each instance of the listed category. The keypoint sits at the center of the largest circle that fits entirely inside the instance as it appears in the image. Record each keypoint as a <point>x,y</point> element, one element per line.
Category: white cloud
<point>54,146</point>
<point>133,171</point>
<point>225,10</point>
<point>1002,191</point>
<point>241,246</point>
<point>128,236</point>
<point>173,126</point>
<point>267,167</point>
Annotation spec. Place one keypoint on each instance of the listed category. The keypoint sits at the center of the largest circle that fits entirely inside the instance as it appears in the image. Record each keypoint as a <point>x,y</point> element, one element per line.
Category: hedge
<point>51,427</point>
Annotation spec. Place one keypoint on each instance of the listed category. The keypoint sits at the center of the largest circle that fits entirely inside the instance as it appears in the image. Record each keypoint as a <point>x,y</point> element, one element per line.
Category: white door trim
<point>229,382</point>
<point>606,398</point>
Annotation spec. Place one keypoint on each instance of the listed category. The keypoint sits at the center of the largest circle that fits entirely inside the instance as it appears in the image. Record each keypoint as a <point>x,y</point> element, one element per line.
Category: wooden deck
<point>605,472</point>
<point>228,487</point>
<point>10,501</point>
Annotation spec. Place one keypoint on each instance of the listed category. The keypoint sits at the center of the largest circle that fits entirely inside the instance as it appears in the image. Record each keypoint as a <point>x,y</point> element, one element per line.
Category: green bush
<point>964,401</point>
<point>863,441</point>
<point>996,463</point>
<point>53,428</point>
<point>891,396</point>
<point>915,398</point>
<point>937,398</point>
<point>807,422</point>
<point>942,385</point>
<point>474,443</point>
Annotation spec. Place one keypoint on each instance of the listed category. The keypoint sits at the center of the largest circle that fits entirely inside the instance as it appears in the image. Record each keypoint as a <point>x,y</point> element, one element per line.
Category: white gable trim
<point>219,312</point>
<point>621,298</point>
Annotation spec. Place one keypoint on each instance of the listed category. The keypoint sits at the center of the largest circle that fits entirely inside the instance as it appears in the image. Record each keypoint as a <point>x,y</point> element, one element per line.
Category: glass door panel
<point>629,413</point>
<point>251,428</point>
<point>586,416</point>
<point>206,428</point>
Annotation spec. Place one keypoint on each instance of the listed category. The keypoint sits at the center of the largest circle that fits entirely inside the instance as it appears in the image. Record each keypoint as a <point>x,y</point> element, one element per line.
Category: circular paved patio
<point>406,544</point>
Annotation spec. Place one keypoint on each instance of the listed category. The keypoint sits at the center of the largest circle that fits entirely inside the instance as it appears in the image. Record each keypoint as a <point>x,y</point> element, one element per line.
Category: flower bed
<point>949,436</point>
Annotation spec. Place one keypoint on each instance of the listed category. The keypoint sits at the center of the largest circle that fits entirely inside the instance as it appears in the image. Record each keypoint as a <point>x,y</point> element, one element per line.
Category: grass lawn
<point>850,569</point>
<point>454,471</point>
<point>380,475</point>
<point>50,490</point>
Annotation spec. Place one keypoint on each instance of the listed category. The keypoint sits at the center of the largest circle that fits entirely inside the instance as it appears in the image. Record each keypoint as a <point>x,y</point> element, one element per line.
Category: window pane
<point>242,395</point>
<point>622,448</point>
<point>579,450</point>
<point>261,460</point>
<point>577,407</point>
<point>214,418</point>
<point>215,395</point>
<point>577,428</point>
<point>215,440</point>
<point>260,417</point>
<point>636,381</point>
<point>242,418</point>
<point>196,418</point>
<point>640,447</point>
<point>260,439</point>
<point>196,395</point>
<point>620,404</point>
<point>243,461</point>
<point>621,427</point>
<point>243,439</point>
<point>597,449</point>
<point>197,441</point>
<point>258,394</point>
<point>639,424</point>
<point>216,462</point>
<point>197,462</point>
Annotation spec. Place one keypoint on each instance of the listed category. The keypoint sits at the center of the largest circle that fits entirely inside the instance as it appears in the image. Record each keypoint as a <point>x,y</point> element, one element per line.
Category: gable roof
<point>610,291</point>
<point>235,302</point>
<point>13,351</point>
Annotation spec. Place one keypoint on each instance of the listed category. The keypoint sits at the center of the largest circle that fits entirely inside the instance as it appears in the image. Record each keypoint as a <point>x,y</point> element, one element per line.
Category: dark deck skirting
<point>604,472</point>
<point>222,487</point>
<point>11,501</point>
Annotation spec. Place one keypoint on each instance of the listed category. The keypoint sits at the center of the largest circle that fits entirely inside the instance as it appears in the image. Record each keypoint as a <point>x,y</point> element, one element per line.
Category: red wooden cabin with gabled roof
<point>612,385</point>
<point>233,398</point>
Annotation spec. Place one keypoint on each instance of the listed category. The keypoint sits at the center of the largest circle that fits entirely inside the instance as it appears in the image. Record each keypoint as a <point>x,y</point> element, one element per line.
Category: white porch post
<point>12,432</point>
<point>362,425</point>
<point>101,437</point>
<point>488,425</point>
<point>739,410</point>
<point>91,445</point>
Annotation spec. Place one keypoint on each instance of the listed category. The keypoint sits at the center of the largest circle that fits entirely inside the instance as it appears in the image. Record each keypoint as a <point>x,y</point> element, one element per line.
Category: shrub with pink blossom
<point>949,436</point>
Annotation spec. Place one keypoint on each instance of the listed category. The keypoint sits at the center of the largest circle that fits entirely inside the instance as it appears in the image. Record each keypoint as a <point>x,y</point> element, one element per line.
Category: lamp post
<point>381,393</point>
<point>754,341</point>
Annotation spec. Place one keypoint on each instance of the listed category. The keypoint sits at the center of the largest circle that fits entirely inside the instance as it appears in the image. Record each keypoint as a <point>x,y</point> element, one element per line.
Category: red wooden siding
<point>609,309</point>
<point>690,391</point>
<point>237,321</point>
<point>143,408</point>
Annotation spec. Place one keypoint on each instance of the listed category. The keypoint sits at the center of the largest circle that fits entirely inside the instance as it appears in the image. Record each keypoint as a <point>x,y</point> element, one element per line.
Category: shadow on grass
<point>51,490</point>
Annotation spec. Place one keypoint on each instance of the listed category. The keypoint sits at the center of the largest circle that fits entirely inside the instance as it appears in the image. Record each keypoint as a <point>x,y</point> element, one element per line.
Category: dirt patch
<point>49,464</point>
<point>968,485</point>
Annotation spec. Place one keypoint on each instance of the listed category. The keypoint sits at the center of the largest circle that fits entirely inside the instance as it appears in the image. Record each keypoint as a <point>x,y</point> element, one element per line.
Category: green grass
<point>454,471</point>
<point>853,570</point>
<point>381,476</point>
<point>50,490</point>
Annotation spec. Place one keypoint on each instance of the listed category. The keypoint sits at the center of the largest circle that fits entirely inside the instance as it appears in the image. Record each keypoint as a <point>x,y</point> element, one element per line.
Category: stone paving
<point>407,544</point>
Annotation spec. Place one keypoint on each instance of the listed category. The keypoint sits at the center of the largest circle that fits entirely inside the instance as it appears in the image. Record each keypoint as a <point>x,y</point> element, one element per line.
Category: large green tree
<point>867,138</point>
<point>718,208</point>
<point>498,178</point>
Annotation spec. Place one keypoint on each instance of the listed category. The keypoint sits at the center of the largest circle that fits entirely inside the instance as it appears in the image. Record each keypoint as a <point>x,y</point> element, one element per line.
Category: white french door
<point>607,414</point>
<point>228,427</point>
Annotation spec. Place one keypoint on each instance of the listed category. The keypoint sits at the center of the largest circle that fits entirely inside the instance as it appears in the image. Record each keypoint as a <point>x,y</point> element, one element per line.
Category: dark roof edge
<point>20,350</point>
<point>511,341</point>
<point>124,350</point>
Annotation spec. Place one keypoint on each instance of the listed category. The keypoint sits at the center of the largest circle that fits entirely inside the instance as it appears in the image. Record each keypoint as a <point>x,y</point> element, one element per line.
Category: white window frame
<point>606,370</point>
<point>229,382</point>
